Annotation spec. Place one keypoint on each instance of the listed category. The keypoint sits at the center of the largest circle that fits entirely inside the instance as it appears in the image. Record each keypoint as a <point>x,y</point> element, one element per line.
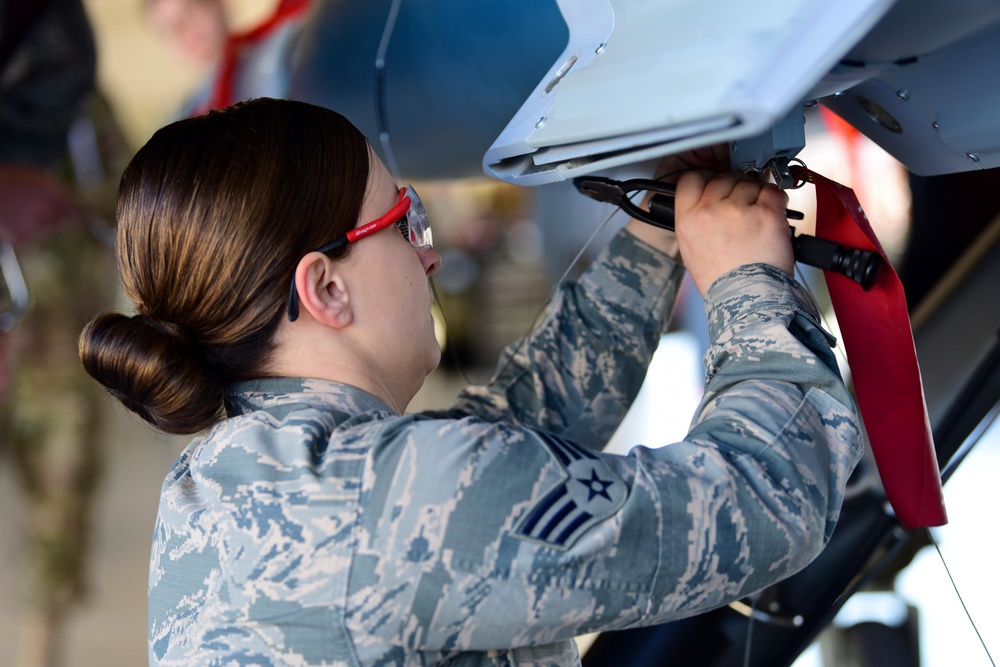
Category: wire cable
<point>749,642</point>
<point>958,594</point>
<point>381,111</point>
<point>838,350</point>
<point>448,345</point>
<point>539,316</point>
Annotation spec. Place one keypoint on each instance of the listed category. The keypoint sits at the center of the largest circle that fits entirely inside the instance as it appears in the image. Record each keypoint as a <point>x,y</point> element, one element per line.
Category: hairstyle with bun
<point>214,213</point>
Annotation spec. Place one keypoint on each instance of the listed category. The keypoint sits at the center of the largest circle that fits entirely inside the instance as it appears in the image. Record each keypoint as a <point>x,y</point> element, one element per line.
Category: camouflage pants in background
<point>50,436</point>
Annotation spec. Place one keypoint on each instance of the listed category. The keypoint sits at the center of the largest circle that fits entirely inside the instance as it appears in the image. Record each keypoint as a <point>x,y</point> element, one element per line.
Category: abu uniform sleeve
<point>479,535</point>
<point>578,373</point>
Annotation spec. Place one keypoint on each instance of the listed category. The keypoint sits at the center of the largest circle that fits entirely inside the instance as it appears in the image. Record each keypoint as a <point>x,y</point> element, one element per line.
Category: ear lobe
<point>322,290</point>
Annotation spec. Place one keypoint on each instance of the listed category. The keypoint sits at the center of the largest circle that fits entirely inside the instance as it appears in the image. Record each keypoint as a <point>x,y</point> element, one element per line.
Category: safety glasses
<point>408,215</point>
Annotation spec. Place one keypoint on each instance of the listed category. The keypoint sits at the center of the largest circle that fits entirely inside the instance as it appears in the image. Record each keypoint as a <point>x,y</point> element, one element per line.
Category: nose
<point>430,259</point>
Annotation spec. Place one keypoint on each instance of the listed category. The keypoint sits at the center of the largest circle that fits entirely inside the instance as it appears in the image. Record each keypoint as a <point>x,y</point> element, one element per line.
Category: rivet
<point>541,122</point>
<point>972,156</point>
<point>903,95</point>
<point>600,48</point>
<point>936,127</point>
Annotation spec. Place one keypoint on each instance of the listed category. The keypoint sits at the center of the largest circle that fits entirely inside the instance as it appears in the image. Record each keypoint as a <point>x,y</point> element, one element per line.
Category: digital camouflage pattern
<point>317,527</point>
<point>52,440</point>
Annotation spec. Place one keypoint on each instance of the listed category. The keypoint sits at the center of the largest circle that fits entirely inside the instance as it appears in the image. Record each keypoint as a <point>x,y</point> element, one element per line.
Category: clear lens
<point>418,222</point>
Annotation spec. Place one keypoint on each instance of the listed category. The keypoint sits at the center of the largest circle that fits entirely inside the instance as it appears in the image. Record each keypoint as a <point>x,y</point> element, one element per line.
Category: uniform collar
<point>267,393</point>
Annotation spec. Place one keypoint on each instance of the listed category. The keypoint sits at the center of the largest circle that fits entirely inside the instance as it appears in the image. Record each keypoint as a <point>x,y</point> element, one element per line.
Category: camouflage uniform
<point>50,429</point>
<point>317,527</point>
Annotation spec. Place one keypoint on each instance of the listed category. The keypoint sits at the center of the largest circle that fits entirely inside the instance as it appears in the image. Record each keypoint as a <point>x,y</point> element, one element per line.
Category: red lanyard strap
<point>875,327</point>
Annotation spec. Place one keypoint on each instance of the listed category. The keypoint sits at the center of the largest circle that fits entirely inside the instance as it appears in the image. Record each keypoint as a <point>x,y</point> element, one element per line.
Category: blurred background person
<point>56,138</point>
<point>237,65</point>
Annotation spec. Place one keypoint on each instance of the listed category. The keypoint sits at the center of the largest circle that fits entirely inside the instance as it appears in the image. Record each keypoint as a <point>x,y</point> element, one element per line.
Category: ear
<point>322,290</point>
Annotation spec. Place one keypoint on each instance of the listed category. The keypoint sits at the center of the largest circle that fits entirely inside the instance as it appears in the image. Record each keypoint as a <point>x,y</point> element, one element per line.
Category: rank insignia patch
<point>590,492</point>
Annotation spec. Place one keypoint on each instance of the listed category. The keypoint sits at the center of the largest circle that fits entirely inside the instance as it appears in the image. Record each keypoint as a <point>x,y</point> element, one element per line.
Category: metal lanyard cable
<point>958,594</point>
<point>540,315</point>
<point>381,110</point>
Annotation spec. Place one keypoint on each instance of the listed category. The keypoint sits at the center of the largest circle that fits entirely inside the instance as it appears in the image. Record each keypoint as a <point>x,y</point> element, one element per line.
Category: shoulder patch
<point>589,492</point>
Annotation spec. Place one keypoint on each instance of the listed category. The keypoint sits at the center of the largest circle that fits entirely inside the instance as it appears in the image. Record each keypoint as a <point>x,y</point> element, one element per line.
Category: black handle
<point>861,266</point>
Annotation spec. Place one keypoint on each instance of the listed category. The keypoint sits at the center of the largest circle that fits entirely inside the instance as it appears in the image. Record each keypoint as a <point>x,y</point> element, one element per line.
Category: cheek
<point>411,269</point>
<point>396,286</point>
<point>404,293</point>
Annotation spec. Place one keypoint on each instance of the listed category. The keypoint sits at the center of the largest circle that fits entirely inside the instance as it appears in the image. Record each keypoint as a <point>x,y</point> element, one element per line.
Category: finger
<point>745,191</point>
<point>724,185</point>
<point>690,189</point>
<point>773,197</point>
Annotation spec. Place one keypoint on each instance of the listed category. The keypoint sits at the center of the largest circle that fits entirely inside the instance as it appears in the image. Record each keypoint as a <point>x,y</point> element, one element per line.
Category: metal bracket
<point>771,150</point>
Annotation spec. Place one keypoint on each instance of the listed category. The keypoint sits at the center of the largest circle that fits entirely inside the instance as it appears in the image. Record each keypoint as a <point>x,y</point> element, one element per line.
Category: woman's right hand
<point>713,158</point>
<point>728,220</point>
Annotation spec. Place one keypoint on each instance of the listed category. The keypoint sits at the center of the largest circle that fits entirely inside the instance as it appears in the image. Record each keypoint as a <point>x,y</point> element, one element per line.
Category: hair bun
<point>165,329</point>
<point>152,367</point>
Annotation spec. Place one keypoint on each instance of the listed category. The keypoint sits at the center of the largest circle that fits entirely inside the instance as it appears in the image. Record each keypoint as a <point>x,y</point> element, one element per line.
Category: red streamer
<point>875,327</point>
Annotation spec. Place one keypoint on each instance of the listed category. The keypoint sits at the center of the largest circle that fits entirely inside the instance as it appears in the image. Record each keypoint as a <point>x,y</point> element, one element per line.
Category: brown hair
<point>214,213</point>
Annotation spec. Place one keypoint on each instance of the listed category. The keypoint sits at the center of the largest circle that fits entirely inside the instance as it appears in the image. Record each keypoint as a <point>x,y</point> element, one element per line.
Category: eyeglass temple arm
<point>293,294</point>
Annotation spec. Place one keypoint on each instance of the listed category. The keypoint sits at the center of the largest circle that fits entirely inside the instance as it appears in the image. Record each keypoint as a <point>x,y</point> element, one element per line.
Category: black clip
<point>661,209</point>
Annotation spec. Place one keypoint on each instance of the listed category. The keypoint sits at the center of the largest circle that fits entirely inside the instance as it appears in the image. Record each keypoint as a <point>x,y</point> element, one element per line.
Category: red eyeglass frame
<point>392,216</point>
